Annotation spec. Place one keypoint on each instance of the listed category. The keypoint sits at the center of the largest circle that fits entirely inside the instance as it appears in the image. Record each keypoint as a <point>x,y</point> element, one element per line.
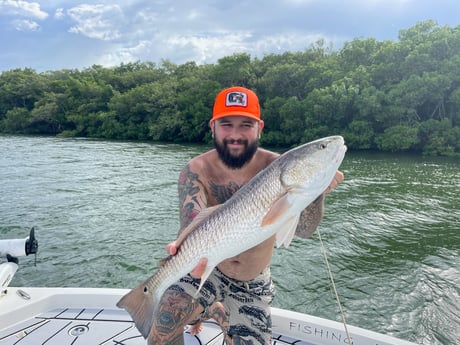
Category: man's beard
<point>236,162</point>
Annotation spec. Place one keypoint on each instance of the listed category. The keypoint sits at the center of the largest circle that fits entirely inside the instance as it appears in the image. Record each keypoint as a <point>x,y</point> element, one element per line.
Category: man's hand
<point>198,271</point>
<point>338,178</point>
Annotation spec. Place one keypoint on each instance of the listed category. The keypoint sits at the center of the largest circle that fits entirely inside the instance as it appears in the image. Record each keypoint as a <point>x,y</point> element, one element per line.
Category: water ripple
<point>104,212</point>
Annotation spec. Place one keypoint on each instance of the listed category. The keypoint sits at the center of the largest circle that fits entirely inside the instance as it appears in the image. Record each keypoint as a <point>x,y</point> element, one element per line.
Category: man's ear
<point>211,125</point>
<point>261,125</point>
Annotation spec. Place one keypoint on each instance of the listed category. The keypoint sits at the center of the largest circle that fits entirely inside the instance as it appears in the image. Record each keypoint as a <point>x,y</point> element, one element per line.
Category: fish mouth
<point>341,153</point>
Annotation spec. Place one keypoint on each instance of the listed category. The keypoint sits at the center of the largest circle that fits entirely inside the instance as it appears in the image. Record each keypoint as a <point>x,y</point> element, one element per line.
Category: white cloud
<point>204,31</point>
<point>193,15</point>
<point>206,48</point>
<point>118,55</point>
<point>23,8</point>
<point>382,6</point>
<point>25,25</point>
<point>59,13</point>
<point>98,21</point>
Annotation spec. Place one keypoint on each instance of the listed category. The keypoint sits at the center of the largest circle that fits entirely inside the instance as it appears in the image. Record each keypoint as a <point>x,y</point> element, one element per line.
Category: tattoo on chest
<point>223,192</point>
<point>190,198</point>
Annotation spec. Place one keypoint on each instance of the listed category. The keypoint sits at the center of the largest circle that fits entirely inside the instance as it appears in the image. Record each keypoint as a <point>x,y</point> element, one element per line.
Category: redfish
<point>270,203</point>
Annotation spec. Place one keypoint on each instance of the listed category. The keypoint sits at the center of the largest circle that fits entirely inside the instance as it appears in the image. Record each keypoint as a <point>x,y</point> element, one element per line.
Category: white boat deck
<point>61,316</point>
<point>86,326</point>
<point>76,326</point>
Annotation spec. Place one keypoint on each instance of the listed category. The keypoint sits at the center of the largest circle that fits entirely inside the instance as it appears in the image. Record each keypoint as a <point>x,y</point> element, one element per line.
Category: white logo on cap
<point>239,99</point>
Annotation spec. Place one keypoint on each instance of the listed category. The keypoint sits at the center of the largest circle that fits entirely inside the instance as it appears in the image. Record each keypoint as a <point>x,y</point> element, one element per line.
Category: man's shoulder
<point>267,155</point>
<point>202,162</point>
<point>268,152</point>
<point>208,164</point>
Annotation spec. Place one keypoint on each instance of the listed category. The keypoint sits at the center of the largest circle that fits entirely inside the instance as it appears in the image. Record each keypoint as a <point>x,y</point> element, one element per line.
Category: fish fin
<point>140,304</point>
<point>275,214</point>
<point>198,218</point>
<point>277,210</point>
<point>287,232</point>
<point>205,276</point>
<point>163,261</point>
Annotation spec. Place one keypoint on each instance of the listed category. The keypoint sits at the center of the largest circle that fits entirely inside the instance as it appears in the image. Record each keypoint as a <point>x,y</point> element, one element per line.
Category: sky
<point>77,34</point>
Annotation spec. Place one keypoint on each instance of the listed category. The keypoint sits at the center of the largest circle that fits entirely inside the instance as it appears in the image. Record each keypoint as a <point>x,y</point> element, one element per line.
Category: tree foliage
<point>389,96</point>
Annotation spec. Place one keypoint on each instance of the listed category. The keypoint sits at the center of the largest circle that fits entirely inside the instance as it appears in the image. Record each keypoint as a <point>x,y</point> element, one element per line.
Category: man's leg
<point>175,310</point>
<point>249,309</point>
<point>217,312</point>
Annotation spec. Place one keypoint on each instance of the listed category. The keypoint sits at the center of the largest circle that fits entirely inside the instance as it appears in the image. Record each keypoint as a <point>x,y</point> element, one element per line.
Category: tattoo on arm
<point>189,198</point>
<point>193,196</point>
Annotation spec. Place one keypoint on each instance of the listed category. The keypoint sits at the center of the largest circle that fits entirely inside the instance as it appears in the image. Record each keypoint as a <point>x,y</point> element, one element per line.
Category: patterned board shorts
<point>246,303</point>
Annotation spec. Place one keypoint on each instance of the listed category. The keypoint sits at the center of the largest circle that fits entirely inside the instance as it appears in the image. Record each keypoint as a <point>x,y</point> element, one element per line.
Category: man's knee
<point>175,309</point>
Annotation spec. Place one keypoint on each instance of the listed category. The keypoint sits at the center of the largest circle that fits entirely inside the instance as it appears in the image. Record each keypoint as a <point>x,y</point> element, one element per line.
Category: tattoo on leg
<point>179,340</point>
<point>218,313</point>
<point>174,311</point>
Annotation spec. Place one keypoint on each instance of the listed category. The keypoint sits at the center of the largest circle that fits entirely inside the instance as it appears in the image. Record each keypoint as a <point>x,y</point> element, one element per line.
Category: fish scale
<point>270,203</point>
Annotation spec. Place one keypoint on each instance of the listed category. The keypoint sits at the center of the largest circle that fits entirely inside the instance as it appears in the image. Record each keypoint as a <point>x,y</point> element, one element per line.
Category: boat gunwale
<point>15,309</point>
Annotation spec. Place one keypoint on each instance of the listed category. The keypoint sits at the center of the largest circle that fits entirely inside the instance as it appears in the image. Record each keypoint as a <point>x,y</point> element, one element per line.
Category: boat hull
<point>90,316</point>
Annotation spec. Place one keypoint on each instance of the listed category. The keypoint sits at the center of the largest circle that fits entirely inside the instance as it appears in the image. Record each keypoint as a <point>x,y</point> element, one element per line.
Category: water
<point>104,211</point>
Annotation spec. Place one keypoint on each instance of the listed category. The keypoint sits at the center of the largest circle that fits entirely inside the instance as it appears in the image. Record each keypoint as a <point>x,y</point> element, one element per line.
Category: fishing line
<point>342,314</point>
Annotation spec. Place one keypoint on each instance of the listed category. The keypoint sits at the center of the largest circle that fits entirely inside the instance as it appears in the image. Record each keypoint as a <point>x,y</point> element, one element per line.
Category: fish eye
<point>322,146</point>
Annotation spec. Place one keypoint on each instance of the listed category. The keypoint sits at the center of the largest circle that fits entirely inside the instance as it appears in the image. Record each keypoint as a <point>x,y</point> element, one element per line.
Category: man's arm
<point>192,196</point>
<point>313,214</point>
<point>192,199</point>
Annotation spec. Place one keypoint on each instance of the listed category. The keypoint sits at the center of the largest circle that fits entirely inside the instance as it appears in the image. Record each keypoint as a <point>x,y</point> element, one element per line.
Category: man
<point>239,292</point>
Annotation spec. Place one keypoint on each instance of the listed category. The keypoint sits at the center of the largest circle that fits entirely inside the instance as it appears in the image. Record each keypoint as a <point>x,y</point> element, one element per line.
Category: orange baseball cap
<point>236,101</point>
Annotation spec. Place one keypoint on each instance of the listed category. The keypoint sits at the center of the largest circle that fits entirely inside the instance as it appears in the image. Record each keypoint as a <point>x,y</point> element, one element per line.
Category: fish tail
<point>140,304</point>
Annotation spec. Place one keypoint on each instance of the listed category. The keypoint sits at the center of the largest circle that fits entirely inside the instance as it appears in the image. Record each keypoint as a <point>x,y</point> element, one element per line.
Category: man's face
<point>236,139</point>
